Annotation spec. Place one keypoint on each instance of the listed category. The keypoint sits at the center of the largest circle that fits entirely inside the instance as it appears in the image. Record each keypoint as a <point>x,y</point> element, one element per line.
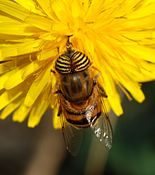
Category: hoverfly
<point>80,100</point>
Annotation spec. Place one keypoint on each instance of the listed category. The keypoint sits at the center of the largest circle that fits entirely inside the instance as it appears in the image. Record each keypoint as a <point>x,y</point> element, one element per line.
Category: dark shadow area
<point>133,151</point>
<point>17,145</point>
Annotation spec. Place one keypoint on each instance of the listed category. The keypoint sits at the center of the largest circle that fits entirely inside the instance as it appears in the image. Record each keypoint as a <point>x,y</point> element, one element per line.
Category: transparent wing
<point>72,136</point>
<point>103,130</point>
<point>101,125</point>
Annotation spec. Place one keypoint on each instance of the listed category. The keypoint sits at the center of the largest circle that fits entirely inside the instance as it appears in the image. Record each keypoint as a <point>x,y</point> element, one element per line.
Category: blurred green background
<point>40,151</point>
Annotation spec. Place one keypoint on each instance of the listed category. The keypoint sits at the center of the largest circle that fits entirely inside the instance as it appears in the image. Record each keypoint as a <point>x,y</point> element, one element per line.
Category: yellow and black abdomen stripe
<point>80,120</point>
<point>72,61</point>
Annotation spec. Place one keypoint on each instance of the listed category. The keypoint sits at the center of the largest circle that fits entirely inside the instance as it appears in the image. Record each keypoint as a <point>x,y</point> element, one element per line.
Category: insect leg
<point>100,88</point>
<point>102,91</point>
<point>57,92</point>
<point>59,111</point>
<point>53,71</point>
<point>95,78</point>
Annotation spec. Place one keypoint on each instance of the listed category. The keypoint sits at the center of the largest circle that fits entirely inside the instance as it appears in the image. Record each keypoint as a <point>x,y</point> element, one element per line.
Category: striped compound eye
<point>72,61</point>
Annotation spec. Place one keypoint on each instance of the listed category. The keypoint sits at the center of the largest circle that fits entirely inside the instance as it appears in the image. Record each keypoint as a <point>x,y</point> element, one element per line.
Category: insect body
<point>80,99</point>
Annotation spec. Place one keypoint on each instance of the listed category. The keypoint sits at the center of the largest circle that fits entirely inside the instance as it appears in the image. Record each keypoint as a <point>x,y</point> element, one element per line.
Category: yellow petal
<point>20,74</point>
<point>14,79</point>
<point>105,105</point>
<point>10,108</point>
<point>59,9</point>
<point>40,22</point>
<point>14,9</point>
<point>94,8</point>
<point>133,87</point>
<point>139,75</point>
<point>86,4</point>
<point>49,37</point>
<point>20,49</point>
<point>115,104</point>
<point>15,29</point>
<point>108,83</point>
<point>31,5</point>
<point>5,77</point>
<point>8,20</point>
<point>37,87</point>
<point>56,120</point>
<point>8,96</point>
<point>47,54</point>
<point>76,7</point>
<point>17,11</point>
<point>141,52</point>
<point>145,10</point>
<point>31,68</point>
<point>46,7</point>
<point>39,108</point>
<point>21,113</point>
<point>137,35</point>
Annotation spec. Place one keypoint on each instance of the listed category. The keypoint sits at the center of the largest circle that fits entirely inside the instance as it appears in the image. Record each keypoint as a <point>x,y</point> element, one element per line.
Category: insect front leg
<point>102,91</point>
<point>59,111</point>
<point>57,92</point>
<point>53,71</point>
<point>100,88</point>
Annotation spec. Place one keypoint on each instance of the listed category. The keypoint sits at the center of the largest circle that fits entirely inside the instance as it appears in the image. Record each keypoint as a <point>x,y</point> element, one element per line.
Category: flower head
<point>117,35</point>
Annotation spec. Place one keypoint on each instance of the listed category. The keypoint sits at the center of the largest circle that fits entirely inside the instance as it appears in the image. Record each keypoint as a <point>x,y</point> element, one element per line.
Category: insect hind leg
<point>100,88</point>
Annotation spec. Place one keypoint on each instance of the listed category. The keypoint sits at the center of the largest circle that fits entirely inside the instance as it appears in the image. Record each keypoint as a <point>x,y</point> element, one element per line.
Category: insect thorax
<point>76,87</point>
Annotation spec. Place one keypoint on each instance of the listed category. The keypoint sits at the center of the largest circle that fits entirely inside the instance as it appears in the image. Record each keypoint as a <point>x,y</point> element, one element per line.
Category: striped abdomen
<point>72,61</point>
<point>83,114</point>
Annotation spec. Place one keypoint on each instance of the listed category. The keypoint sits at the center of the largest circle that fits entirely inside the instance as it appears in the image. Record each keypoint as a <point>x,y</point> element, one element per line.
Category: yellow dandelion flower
<point>117,35</point>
